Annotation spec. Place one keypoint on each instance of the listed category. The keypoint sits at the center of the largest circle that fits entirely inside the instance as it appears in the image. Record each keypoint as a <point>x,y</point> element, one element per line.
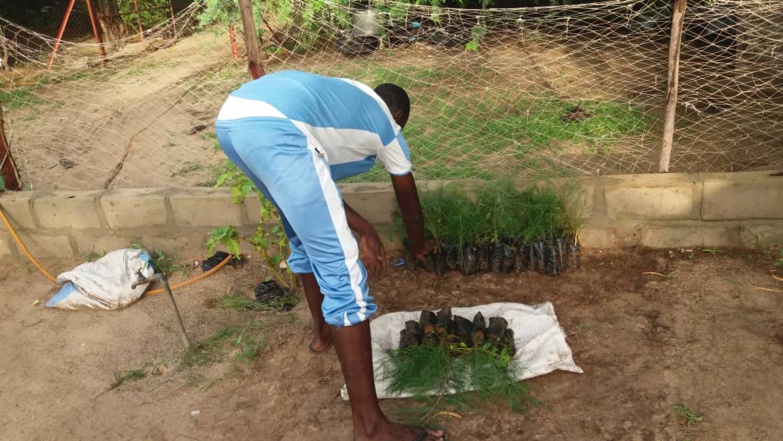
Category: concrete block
<point>650,180</point>
<point>17,208</point>
<point>7,246</point>
<point>768,233</point>
<point>205,207</point>
<point>76,210</point>
<point>134,208</point>
<point>650,203</point>
<point>375,202</point>
<point>686,236</point>
<point>252,207</point>
<point>760,198</point>
<point>46,245</point>
<point>100,243</point>
<point>183,246</point>
<point>390,238</point>
<point>592,236</point>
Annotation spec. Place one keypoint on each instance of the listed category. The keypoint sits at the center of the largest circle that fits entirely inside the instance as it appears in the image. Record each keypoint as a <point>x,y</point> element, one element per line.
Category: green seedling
<point>92,256</point>
<point>439,381</point>
<point>712,251</point>
<point>269,240</point>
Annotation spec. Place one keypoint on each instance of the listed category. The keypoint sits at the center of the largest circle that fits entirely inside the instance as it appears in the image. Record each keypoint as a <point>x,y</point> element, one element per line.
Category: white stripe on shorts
<point>340,222</point>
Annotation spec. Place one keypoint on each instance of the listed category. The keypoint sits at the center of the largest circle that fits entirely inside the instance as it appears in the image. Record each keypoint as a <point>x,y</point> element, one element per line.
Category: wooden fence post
<point>678,13</point>
<point>254,65</point>
<point>8,169</point>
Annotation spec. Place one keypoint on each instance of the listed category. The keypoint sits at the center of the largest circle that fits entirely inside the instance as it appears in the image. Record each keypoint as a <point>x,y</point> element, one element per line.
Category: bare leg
<point>322,336</point>
<point>369,423</point>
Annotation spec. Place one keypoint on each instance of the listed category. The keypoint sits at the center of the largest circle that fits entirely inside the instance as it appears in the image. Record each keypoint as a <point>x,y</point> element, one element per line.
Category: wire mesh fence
<point>574,88</point>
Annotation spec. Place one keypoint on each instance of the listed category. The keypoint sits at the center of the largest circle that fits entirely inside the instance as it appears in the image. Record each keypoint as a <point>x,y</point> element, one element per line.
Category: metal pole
<point>233,39</point>
<point>671,94</point>
<point>97,32</point>
<point>140,280</point>
<point>60,33</point>
<point>183,335</point>
<point>138,19</point>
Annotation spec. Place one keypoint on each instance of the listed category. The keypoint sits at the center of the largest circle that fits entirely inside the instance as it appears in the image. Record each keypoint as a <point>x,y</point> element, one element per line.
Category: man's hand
<point>373,254</point>
<point>429,246</point>
<point>370,245</point>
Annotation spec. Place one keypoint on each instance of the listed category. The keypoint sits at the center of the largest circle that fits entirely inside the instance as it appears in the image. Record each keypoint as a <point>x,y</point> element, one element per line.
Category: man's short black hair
<point>397,100</point>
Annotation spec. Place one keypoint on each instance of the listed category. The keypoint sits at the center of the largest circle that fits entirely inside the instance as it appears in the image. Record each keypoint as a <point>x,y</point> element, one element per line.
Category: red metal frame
<point>96,30</point>
<point>60,33</point>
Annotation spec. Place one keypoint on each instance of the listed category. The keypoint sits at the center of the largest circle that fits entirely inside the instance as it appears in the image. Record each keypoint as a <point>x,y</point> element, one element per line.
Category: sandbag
<point>105,283</point>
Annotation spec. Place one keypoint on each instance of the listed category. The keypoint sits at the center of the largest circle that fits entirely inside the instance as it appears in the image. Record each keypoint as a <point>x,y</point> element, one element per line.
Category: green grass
<point>188,168</point>
<point>13,97</point>
<point>687,415</point>
<point>457,124</point>
<point>16,98</point>
<point>92,256</point>
<point>165,263</point>
<point>129,375</point>
<point>237,301</point>
<point>244,342</point>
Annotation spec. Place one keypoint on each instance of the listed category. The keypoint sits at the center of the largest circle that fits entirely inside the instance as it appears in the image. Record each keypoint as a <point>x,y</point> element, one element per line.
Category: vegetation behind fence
<point>577,88</point>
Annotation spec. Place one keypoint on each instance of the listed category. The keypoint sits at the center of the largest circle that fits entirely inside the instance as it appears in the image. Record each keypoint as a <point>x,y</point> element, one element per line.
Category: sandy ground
<point>702,337</point>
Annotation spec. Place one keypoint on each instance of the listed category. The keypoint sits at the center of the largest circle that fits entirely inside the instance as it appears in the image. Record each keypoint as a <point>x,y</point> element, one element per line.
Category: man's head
<point>397,100</point>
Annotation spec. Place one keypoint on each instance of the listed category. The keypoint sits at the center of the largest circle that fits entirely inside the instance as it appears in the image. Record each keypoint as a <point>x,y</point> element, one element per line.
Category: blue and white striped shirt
<point>346,118</point>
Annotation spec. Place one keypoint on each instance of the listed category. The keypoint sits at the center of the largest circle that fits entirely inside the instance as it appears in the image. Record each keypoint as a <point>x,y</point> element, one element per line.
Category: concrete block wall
<point>686,210</point>
<point>660,210</point>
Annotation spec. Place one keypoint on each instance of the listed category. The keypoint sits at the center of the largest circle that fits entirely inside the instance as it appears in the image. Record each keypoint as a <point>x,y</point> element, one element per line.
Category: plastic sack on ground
<point>105,283</point>
<point>538,337</point>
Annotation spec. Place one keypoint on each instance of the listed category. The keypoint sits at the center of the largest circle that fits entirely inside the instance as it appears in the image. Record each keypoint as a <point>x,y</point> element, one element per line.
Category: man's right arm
<point>410,208</point>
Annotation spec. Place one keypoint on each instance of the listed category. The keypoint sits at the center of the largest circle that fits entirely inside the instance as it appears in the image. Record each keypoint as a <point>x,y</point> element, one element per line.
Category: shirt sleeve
<point>396,157</point>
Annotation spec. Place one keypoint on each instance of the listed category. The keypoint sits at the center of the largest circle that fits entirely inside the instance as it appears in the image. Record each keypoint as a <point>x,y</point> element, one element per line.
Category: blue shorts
<point>289,168</point>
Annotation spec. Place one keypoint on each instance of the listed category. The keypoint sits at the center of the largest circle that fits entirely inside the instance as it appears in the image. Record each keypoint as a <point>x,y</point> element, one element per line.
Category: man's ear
<point>397,116</point>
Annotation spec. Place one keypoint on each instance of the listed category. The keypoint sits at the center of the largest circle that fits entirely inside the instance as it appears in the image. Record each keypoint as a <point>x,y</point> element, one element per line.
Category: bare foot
<point>400,432</point>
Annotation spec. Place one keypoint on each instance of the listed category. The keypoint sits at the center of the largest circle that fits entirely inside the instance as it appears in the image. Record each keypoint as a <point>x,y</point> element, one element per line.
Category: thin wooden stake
<point>173,18</point>
<point>7,166</point>
<point>138,19</point>
<point>671,93</point>
<point>254,65</point>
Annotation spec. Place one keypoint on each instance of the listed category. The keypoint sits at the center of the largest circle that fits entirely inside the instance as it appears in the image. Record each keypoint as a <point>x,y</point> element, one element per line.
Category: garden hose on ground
<point>24,248</point>
<point>43,271</point>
